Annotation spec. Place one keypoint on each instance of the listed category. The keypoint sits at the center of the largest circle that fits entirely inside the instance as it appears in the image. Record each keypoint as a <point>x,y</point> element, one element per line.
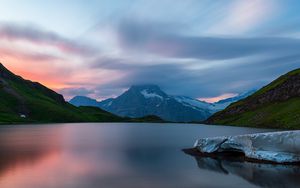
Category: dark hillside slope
<point>276,105</point>
<point>26,101</point>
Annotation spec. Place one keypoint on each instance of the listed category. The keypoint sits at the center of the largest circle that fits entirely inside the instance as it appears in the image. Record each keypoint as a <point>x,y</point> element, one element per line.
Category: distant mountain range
<point>143,100</point>
<point>24,101</point>
<point>276,105</point>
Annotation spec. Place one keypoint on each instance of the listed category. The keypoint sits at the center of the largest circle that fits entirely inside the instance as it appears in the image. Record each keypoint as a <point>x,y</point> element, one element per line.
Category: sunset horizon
<point>149,94</point>
<point>99,49</point>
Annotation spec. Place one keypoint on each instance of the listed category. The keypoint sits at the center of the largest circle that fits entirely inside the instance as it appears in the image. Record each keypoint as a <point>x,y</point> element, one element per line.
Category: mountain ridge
<point>277,105</point>
<point>24,101</point>
<point>149,99</point>
<point>144,100</point>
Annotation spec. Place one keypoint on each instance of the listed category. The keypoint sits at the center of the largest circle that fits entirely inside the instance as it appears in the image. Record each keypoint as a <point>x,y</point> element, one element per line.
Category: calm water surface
<point>125,155</point>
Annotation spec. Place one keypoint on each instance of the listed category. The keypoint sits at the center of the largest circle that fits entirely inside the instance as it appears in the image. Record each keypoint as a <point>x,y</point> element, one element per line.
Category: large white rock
<point>280,147</point>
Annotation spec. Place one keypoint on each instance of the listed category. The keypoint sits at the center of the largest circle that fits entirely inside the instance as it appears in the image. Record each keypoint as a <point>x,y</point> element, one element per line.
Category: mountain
<point>193,103</point>
<point>83,101</point>
<point>276,105</point>
<point>144,100</point>
<point>26,101</point>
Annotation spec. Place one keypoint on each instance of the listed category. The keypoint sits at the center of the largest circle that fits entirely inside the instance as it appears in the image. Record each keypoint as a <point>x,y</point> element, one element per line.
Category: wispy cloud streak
<point>143,38</point>
<point>38,36</point>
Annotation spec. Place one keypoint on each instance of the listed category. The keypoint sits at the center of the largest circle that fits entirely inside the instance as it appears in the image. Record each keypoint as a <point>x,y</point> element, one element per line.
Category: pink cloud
<point>40,37</point>
<point>43,68</point>
<point>218,98</point>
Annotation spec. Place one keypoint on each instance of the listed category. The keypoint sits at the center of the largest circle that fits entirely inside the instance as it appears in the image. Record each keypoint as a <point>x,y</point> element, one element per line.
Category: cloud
<point>43,56</point>
<point>289,28</point>
<point>143,38</point>
<point>177,50</point>
<point>70,92</point>
<point>244,16</point>
<point>218,98</point>
<point>183,79</point>
<point>27,56</point>
<point>227,64</point>
<point>15,32</point>
<point>50,70</point>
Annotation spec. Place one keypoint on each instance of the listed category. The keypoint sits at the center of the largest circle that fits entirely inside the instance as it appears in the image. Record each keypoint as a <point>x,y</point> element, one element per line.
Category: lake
<point>127,155</point>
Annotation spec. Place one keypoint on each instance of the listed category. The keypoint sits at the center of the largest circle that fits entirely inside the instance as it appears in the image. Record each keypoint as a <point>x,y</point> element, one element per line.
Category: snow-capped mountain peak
<point>143,100</point>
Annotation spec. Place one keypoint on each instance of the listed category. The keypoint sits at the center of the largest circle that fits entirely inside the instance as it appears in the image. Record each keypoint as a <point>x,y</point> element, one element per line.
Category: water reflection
<point>21,147</point>
<point>263,175</point>
<point>107,155</point>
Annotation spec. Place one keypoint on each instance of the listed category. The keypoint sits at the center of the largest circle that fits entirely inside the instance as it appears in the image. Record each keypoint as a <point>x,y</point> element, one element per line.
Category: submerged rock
<point>277,147</point>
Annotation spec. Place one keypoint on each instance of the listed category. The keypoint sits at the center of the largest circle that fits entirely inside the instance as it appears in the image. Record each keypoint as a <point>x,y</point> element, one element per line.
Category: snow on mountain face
<point>194,103</point>
<point>148,94</point>
<point>219,106</point>
<point>142,100</point>
<point>145,100</point>
<point>106,103</point>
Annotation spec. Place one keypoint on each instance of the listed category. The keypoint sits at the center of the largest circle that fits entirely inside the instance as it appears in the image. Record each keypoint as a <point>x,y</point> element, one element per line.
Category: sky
<point>204,49</point>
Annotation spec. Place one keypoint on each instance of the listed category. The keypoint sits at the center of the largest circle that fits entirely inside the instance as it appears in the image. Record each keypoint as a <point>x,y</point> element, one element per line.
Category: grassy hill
<point>26,101</point>
<point>276,105</point>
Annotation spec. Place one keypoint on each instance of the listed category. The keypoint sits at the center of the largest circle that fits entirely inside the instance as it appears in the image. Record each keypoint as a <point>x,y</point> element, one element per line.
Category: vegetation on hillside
<point>276,105</point>
<point>24,101</point>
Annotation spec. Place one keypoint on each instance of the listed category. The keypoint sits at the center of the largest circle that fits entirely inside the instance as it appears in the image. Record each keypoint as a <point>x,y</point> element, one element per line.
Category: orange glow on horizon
<point>49,82</point>
<point>218,98</point>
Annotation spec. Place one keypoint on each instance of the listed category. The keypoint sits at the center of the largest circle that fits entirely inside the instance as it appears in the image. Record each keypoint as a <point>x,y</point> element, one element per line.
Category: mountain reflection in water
<point>117,155</point>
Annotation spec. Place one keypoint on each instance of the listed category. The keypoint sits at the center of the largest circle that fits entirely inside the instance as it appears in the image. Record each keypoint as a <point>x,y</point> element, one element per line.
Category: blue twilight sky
<point>199,48</point>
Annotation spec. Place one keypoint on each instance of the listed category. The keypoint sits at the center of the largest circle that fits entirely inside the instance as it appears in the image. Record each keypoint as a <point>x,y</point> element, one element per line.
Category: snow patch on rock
<point>280,147</point>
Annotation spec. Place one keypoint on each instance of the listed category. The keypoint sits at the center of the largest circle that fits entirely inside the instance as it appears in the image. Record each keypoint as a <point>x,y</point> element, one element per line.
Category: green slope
<point>39,104</point>
<point>276,105</point>
<point>149,119</point>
